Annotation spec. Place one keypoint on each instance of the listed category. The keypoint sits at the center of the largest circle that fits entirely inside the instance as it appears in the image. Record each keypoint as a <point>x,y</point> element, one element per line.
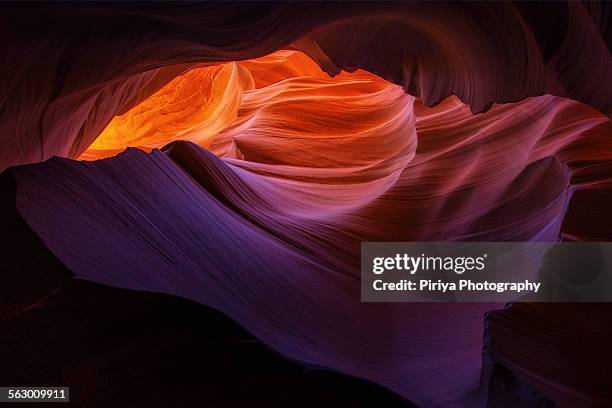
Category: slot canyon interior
<point>186,186</point>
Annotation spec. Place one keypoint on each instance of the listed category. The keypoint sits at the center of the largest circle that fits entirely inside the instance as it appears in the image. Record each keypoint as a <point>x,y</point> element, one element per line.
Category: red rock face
<point>273,139</point>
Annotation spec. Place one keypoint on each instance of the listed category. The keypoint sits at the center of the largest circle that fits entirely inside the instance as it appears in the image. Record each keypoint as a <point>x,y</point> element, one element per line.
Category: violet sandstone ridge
<point>185,188</point>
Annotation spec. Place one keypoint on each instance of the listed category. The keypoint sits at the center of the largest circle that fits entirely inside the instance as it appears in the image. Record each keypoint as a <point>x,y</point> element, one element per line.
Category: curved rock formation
<point>73,68</point>
<point>264,170</point>
<point>272,240</point>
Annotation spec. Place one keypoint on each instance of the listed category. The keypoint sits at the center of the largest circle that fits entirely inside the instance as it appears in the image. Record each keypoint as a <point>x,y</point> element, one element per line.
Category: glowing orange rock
<point>283,92</point>
<point>194,106</point>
